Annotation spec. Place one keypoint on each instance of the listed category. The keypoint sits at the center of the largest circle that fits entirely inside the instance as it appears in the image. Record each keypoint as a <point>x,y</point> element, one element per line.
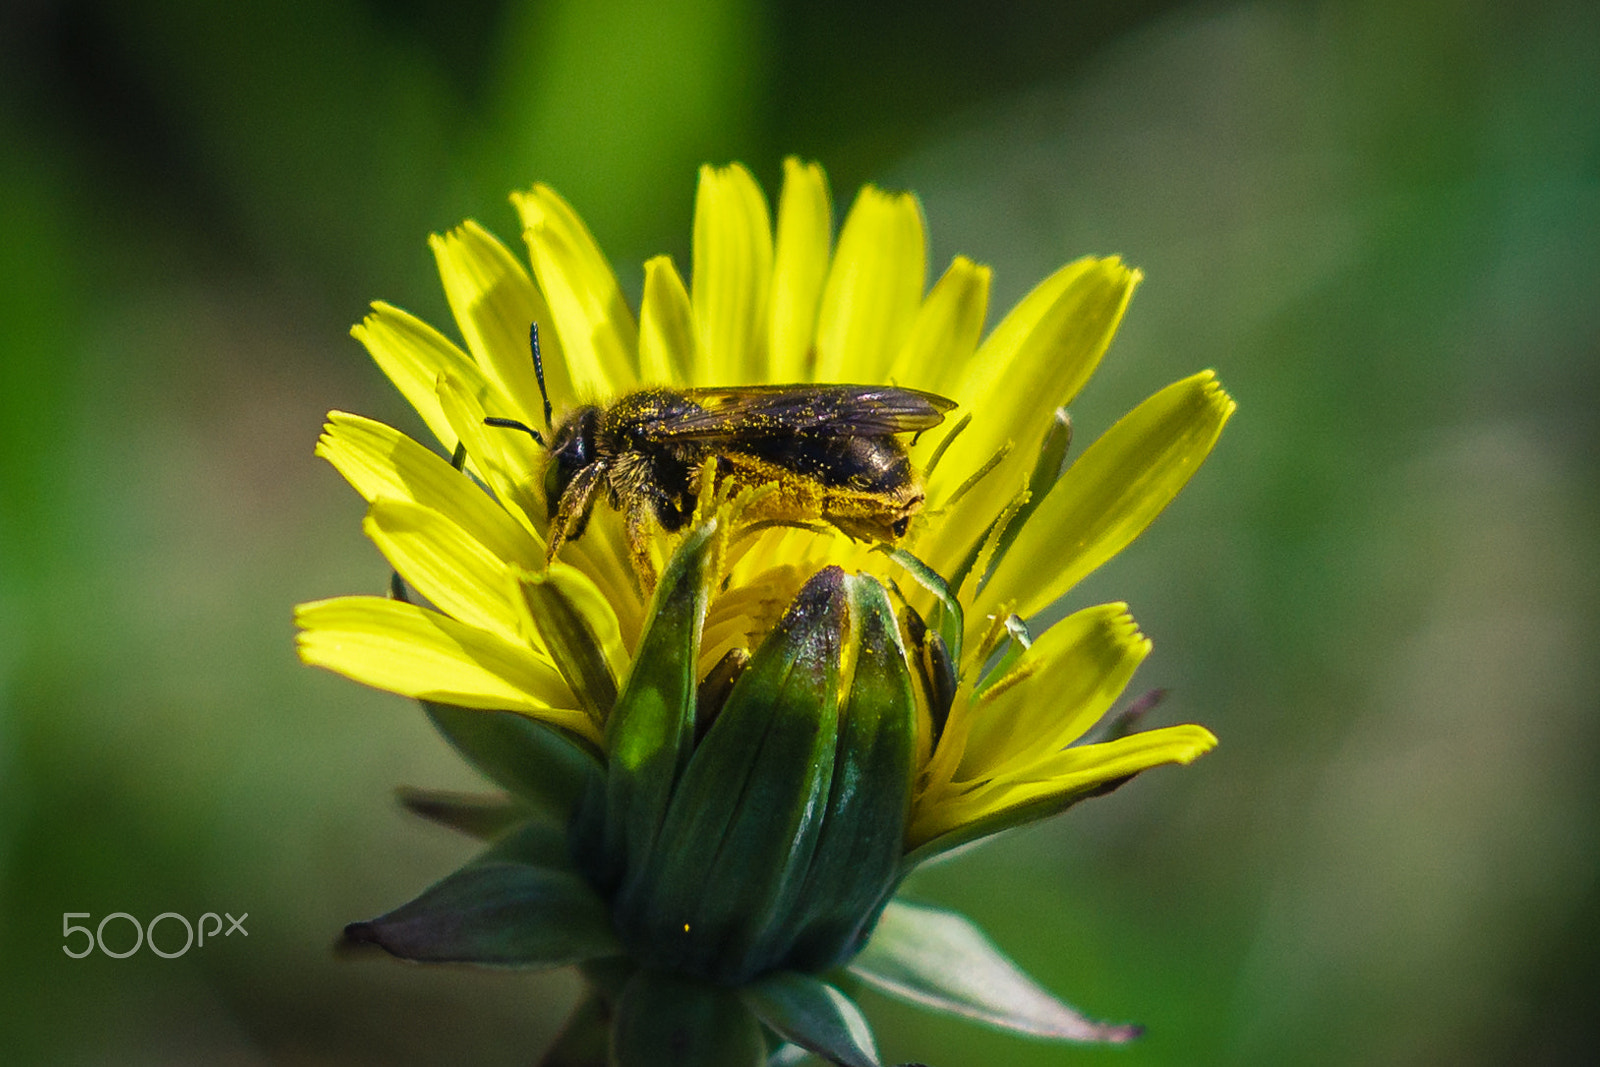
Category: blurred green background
<point>1380,221</point>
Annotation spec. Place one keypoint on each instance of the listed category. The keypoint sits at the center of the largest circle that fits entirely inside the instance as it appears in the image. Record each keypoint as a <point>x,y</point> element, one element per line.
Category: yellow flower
<point>1005,525</point>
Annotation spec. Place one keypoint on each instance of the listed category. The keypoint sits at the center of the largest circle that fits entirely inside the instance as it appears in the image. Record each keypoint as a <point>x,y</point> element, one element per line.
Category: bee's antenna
<point>513,424</point>
<point>538,372</point>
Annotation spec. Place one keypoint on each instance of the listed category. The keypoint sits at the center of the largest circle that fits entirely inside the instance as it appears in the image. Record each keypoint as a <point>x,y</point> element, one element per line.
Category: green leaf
<point>497,913</point>
<point>541,765</point>
<point>669,1020</point>
<point>718,890</point>
<point>856,864</point>
<point>651,729</point>
<point>814,1015</point>
<point>938,959</point>
<point>476,815</point>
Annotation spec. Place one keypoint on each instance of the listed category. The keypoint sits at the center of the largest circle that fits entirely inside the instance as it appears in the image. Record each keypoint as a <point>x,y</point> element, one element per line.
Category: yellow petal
<point>504,458</point>
<point>1037,359</point>
<point>945,333</point>
<point>1095,764</point>
<point>413,355</point>
<point>495,302</point>
<point>603,554</point>
<point>874,289</point>
<point>379,461</point>
<point>445,564</point>
<point>732,275</point>
<point>1086,766</point>
<point>597,330</point>
<point>1046,347</point>
<point>1073,771</point>
<point>1113,491</point>
<point>666,326</point>
<point>1063,684</point>
<point>805,230</point>
<point>418,653</point>
<point>748,608</point>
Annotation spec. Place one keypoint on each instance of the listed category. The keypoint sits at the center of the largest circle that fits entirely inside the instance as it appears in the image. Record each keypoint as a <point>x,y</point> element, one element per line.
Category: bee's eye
<point>555,483</point>
<point>901,525</point>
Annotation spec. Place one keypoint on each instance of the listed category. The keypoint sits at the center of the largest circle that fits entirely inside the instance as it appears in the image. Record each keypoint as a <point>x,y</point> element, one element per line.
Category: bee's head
<point>571,450</point>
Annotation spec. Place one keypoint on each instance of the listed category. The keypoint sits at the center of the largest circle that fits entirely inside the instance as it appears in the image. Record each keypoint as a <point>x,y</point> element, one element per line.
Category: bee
<point>834,452</point>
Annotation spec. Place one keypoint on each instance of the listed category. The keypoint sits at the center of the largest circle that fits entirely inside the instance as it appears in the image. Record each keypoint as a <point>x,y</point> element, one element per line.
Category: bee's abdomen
<point>863,464</point>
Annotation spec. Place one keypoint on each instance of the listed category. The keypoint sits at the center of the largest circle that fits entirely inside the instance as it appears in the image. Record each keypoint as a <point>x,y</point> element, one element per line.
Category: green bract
<point>710,884</point>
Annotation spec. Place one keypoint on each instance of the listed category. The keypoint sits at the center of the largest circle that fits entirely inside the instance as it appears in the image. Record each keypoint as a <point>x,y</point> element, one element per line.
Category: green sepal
<point>541,765</point>
<point>1122,723</point>
<point>499,911</point>
<point>814,1015</point>
<point>937,671</point>
<point>585,1038</point>
<point>483,816</point>
<point>650,734</point>
<point>715,687</point>
<point>940,960</point>
<point>856,865</point>
<point>1006,819</point>
<point>744,821</point>
<point>949,621</point>
<point>536,844</point>
<point>670,1020</point>
<point>572,642</point>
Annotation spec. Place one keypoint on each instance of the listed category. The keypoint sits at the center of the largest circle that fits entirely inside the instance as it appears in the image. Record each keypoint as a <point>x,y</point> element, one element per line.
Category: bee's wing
<point>819,410</point>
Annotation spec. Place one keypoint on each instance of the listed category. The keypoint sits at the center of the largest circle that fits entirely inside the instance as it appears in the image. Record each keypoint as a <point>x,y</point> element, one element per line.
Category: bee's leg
<point>636,523</point>
<point>573,510</point>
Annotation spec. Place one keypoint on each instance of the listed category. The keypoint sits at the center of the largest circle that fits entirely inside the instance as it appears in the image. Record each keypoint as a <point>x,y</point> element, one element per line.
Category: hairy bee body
<point>834,452</point>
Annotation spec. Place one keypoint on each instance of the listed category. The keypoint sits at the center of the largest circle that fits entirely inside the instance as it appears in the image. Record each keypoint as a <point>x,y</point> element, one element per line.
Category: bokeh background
<point>1379,220</point>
